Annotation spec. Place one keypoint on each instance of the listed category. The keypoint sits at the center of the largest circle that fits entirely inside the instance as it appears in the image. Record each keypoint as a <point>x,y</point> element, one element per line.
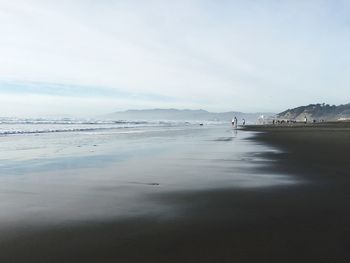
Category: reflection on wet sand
<point>140,192</point>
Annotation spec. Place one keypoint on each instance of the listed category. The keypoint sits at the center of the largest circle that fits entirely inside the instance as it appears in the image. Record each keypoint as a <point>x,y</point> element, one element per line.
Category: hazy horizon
<point>67,115</point>
<point>87,58</point>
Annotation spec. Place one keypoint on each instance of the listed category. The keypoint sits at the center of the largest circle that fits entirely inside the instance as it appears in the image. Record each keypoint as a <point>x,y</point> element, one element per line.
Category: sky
<point>89,57</point>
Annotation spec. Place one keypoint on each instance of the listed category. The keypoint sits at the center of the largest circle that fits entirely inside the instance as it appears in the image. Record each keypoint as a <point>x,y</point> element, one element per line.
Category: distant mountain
<point>317,112</point>
<point>186,115</point>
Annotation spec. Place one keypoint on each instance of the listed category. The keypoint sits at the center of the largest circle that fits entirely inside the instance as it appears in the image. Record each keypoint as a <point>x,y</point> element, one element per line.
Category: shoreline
<point>306,222</point>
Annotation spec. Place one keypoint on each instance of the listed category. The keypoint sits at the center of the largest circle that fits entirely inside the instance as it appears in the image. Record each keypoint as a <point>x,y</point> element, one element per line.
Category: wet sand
<point>302,222</point>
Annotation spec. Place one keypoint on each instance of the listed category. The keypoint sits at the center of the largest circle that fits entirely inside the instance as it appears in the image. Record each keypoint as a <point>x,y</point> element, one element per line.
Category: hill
<point>189,115</point>
<point>317,112</point>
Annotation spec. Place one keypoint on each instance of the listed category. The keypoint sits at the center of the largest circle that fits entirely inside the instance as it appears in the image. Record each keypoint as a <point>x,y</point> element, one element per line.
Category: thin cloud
<point>227,55</point>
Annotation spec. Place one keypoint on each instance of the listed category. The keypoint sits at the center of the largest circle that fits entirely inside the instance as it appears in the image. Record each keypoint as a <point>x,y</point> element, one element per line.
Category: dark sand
<point>306,223</point>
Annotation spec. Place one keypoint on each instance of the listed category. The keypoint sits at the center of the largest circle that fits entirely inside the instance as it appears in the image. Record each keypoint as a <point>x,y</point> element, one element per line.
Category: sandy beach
<point>174,131</point>
<point>192,195</point>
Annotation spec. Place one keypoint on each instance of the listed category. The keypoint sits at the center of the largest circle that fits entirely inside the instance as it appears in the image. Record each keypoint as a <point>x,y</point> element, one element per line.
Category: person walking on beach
<point>243,123</point>
<point>235,122</point>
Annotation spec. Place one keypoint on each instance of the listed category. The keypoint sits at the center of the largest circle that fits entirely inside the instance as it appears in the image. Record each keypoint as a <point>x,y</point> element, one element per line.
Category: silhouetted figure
<point>243,122</point>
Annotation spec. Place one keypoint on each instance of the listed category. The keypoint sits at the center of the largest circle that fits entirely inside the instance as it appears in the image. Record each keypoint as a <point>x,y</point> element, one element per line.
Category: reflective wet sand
<point>182,195</point>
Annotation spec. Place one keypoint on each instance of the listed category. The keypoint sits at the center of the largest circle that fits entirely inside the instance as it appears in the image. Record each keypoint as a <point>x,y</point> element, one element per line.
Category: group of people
<point>293,121</point>
<point>235,122</point>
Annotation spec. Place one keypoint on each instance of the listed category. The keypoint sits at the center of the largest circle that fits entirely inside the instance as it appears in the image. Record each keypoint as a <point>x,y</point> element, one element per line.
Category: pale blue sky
<point>93,57</point>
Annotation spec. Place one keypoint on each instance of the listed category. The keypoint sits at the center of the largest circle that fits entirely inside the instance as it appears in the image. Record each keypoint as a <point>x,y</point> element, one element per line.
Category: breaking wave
<point>13,126</point>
